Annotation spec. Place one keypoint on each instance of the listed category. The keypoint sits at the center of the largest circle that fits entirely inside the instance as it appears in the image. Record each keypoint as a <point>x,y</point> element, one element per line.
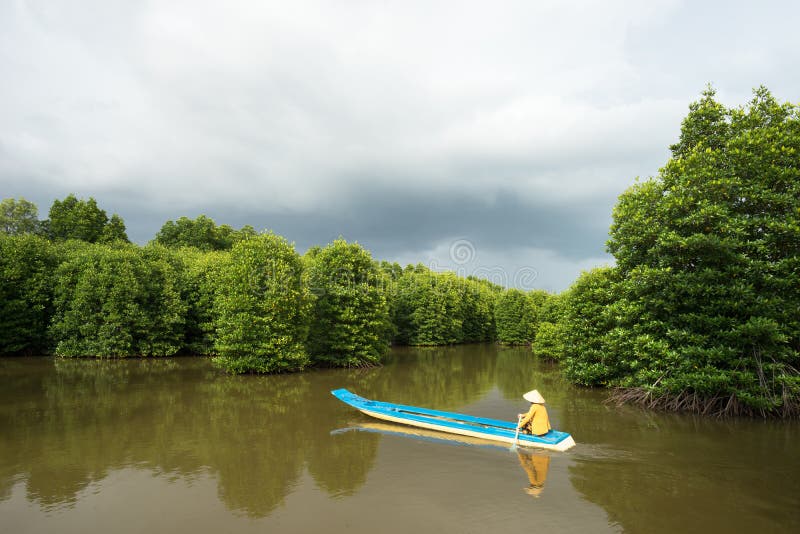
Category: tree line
<point>248,299</point>
<point>701,311</point>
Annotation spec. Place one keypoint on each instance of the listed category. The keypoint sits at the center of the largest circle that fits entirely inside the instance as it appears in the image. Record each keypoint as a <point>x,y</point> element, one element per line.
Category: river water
<point>173,445</point>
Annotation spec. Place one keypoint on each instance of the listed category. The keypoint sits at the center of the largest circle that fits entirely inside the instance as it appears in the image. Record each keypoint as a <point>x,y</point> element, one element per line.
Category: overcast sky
<point>488,137</point>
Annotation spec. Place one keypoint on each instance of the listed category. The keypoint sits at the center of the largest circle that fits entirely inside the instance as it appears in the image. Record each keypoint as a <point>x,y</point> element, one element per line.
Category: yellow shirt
<point>537,416</point>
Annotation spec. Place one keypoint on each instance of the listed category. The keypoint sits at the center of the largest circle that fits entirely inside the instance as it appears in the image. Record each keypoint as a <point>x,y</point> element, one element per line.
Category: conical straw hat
<point>534,397</point>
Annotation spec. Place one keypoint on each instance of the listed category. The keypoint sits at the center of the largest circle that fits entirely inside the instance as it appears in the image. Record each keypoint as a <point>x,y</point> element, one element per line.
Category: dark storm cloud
<point>391,222</point>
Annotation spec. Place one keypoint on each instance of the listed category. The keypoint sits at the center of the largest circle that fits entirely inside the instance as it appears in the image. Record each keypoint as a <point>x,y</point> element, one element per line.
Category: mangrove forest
<point>699,312</point>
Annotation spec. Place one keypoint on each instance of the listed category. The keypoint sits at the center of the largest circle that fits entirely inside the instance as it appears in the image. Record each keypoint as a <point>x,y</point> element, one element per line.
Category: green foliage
<point>18,217</point>
<point>477,310</point>
<point>350,319</point>
<point>430,304</point>
<point>515,314</point>
<point>26,280</point>
<point>551,308</point>
<point>549,341</point>
<point>76,219</point>
<point>114,230</point>
<point>116,301</point>
<point>82,220</point>
<point>430,308</point>
<point>262,308</point>
<point>586,342</point>
<point>202,233</point>
<point>392,270</point>
<point>704,305</point>
<point>706,125</point>
<point>201,284</point>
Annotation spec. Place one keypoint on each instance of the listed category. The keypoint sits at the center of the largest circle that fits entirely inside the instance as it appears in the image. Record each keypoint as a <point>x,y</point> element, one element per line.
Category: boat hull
<point>454,423</point>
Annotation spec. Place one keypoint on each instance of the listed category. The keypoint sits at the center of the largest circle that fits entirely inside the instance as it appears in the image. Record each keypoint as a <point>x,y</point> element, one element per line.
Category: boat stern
<point>564,445</point>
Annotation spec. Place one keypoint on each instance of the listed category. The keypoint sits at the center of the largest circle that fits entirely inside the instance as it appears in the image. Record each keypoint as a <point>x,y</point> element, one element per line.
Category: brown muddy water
<point>175,446</point>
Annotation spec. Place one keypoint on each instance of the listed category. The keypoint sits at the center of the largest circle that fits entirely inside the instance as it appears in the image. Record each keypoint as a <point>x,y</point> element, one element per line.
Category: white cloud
<point>297,108</point>
<point>193,100</point>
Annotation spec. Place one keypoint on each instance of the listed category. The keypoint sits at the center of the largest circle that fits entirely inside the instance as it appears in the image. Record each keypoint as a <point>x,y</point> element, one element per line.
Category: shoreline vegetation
<point>700,313</point>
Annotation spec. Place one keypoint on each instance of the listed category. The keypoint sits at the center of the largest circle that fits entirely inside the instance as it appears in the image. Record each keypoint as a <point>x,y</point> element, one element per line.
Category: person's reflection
<point>535,466</point>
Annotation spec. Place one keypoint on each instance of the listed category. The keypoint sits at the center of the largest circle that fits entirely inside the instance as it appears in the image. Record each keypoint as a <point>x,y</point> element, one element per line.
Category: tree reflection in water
<point>69,423</point>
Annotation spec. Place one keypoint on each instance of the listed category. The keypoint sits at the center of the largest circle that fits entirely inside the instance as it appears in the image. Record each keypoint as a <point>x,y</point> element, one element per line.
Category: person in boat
<point>536,421</point>
<point>535,466</point>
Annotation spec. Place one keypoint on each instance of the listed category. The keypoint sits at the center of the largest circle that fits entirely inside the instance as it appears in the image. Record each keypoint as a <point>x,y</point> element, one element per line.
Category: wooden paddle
<point>516,436</point>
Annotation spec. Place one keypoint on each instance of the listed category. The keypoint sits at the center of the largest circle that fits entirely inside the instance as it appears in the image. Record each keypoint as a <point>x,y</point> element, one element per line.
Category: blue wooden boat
<point>454,423</point>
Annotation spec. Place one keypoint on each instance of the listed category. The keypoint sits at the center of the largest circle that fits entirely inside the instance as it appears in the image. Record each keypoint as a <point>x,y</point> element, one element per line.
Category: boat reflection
<point>420,434</point>
<point>534,464</point>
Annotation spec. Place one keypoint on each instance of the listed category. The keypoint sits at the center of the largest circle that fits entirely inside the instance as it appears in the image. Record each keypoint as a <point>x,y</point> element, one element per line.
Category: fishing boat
<point>455,423</point>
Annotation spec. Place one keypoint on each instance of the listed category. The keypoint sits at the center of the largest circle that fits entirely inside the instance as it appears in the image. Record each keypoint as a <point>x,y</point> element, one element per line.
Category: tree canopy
<point>202,233</point>
<point>262,308</point>
<point>702,311</point>
<point>74,218</point>
<point>516,315</point>
<point>114,230</point>
<point>117,301</point>
<point>431,308</point>
<point>350,319</point>
<point>18,217</point>
<point>26,279</point>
